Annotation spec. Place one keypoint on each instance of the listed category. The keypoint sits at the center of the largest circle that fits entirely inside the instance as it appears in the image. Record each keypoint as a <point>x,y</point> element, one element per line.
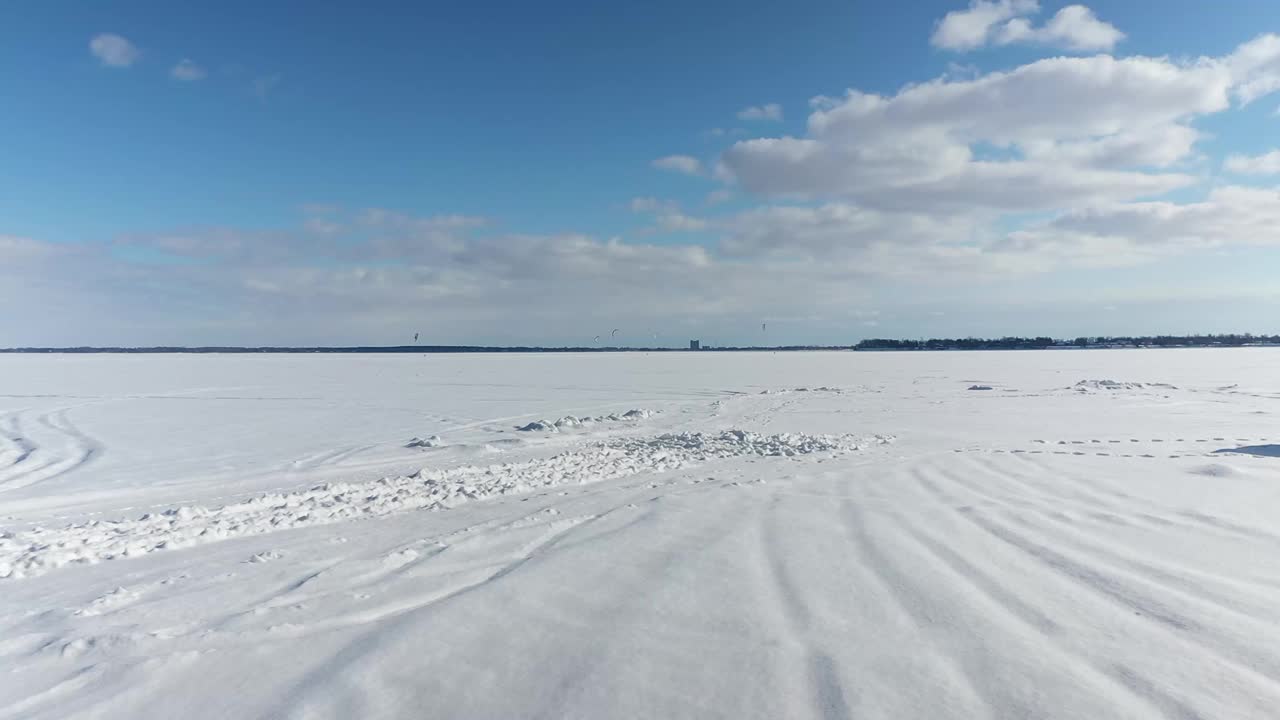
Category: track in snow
<point>39,450</point>
<point>34,551</point>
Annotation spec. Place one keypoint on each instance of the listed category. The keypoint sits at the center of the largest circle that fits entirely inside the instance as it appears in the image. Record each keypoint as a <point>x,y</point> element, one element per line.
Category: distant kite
<point>763,326</point>
<point>614,333</point>
<point>415,337</point>
<point>597,338</point>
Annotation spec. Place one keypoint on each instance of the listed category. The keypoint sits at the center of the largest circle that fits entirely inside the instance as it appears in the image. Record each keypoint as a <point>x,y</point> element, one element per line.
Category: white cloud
<point>835,231</point>
<point>480,288</point>
<point>1005,22</point>
<point>113,50</point>
<point>1265,164</point>
<point>1069,97</point>
<point>187,71</point>
<point>1255,67</point>
<point>1069,131</point>
<point>1074,27</point>
<point>1160,147</point>
<point>771,111</point>
<point>679,163</point>
<point>368,275</point>
<point>1127,232</point>
<point>913,182</point>
<point>471,275</point>
<point>971,28</point>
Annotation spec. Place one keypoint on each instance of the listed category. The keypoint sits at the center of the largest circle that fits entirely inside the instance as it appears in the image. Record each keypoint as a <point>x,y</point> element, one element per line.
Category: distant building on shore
<point>695,344</point>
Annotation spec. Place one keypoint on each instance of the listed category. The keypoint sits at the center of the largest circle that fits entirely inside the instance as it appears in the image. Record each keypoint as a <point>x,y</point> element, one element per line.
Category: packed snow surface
<point>793,535</point>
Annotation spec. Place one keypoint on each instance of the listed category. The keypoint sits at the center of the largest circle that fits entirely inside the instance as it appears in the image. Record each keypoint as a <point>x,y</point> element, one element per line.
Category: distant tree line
<point>1005,343</point>
<point>1041,343</point>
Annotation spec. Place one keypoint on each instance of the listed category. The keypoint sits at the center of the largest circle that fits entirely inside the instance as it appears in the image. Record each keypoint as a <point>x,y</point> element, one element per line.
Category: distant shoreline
<point>874,345</point>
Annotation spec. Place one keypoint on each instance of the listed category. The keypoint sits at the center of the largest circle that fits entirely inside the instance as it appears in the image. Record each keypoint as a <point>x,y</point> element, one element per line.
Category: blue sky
<point>493,173</point>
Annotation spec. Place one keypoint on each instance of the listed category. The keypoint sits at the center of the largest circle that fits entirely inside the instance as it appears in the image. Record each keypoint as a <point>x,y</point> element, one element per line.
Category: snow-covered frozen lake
<point>1094,534</point>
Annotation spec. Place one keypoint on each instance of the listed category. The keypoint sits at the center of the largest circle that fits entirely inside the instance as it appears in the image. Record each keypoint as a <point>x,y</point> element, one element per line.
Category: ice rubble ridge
<point>784,391</point>
<point>38,550</point>
<point>569,421</point>
<point>1087,385</point>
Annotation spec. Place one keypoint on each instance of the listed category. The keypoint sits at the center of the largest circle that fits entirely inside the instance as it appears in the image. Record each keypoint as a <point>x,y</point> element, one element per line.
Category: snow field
<point>750,551</point>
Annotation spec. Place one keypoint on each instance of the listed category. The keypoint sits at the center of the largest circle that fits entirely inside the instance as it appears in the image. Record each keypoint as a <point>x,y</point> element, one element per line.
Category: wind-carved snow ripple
<point>33,552</point>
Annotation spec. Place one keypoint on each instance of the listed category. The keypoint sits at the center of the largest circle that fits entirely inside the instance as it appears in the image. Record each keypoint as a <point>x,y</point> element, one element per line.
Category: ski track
<point>19,447</point>
<point>1132,595</point>
<point>325,459</point>
<point>1109,575</point>
<point>43,450</point>
<point>1168,624</point>
<point>1098,502</point>
<point>1007,601</point>
<point>1107,506</point>
<point>827,691</point>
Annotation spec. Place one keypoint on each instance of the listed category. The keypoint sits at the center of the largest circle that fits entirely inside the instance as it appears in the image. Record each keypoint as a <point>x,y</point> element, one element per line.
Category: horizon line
<point>1008,342</point>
